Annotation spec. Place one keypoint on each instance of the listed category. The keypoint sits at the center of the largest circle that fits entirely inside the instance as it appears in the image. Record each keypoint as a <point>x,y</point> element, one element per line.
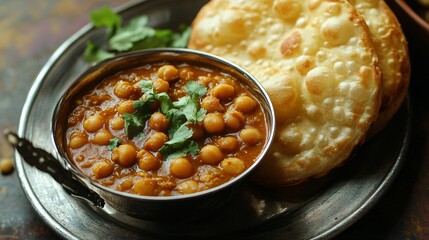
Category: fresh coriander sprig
<point>113,143</point>
<point>182,113</point>
<point>135,122</point>
<point>134,36</point>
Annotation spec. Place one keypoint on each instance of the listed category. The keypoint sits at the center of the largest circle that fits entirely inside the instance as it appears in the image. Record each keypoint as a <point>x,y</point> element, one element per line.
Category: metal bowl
<point>159,207</point>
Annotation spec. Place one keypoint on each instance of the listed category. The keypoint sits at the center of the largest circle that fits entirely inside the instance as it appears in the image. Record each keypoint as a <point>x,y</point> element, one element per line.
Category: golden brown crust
<point>391,47</point>
<point>316,60</point>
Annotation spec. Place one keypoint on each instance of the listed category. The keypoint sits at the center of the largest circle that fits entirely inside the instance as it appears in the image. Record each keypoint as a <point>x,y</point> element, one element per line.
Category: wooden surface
<point>32,30</point>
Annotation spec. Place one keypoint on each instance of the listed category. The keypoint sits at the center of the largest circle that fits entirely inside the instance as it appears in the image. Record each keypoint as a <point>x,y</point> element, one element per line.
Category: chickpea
<point>181,168</point>
<point>158,122</point>
<point>232,166</point>
<point>168,73</point>
<point>245,104</point>
<point>6,165</point>
<point>126,107</point>
<point>147,161</point>
<point>212,104</point>
<point>145,187</point>
<point>234,120</point>
<point>160,86</point>
<point>102,169</point>
<point>206,80</point>
<point>79,158</point>
<point>102,137</point>
<point>126,184</point>
<point>88,163</point>
<point>78,140</point>
<point>211,154</point>
<point>117,123</point>
<point>188,186</point>
<point>156,141</point>
<point>228,144</point>
<point>250,136</point>
<point>223,91</point>
<point>93,123</point>
<point>213,123</point>
<point>123,89</point>
<point>125,155</point>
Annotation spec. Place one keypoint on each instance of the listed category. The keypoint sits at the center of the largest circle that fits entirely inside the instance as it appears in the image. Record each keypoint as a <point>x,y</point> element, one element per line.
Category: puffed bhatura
<point>392,51</point>
<point>317,62</point>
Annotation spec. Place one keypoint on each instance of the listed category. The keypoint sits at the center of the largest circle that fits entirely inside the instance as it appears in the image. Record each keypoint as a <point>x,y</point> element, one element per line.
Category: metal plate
<point>318,209</point>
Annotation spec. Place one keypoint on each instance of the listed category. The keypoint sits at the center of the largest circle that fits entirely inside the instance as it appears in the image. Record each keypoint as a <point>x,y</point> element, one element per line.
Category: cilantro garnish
<point>134,122</point>
<point>179,137</point>
<point>189,104</point>
<point>113,143</point>
<point>134,36</point>
<point>105,17</point>
<point>195,90</point>
<point>181,40</point>
<point>125,37</point>
<point>179,145</point>
<point>93,53</point>
<point>182,113</point>
<point>190,148</point>
<point>151,95</point>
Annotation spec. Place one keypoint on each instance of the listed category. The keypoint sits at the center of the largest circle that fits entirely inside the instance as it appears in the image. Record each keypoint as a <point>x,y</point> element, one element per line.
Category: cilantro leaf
<point>146,86</point>
<point>200,114</point>
<point>142,136</point>
<point>136,23</point>
<point>181,40</point>
<point>165,102</point>
<point>134,36</point>
<point>134,123</point>
<point>150,95</point>
<point>182,102</point>
<point>182,134</point>
<point>105,17</point>
<point>193,88</point>
<point>113,143</point>
<point>124,40</point>
<point>161,38</point>
<point>190,110</point>
<point>189,104</point>
<point>176,119</point>
<point>191,149</point>
<point>95,54</point>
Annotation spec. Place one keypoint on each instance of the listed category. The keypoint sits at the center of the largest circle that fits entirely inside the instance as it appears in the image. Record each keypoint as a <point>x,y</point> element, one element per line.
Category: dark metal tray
<point>317,209</point>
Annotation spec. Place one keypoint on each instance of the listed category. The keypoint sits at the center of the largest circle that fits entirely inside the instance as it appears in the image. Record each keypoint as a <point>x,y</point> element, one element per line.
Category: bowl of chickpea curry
<point>154,131</point>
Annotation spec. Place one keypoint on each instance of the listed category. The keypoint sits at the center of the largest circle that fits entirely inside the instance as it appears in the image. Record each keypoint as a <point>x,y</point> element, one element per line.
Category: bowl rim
<point>413,14</point>
<point>177,52</point>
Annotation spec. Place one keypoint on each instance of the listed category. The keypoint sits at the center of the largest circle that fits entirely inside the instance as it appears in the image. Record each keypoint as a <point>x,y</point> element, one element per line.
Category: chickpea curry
<point>165,128</point>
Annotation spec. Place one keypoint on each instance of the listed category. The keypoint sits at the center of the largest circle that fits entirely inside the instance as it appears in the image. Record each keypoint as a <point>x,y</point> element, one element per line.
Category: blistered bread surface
<point>392,51</point>
<point>316,60</point>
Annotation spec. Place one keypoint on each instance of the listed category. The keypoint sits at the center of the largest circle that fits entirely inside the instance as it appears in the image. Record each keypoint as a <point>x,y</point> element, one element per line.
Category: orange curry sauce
<point>230,137</point>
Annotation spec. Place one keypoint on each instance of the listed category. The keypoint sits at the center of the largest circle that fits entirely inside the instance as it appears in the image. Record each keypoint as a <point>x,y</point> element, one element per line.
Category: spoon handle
<point>47,163</point>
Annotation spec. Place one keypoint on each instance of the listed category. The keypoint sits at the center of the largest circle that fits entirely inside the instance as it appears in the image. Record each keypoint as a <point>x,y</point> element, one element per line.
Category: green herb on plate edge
<point>136,35</point>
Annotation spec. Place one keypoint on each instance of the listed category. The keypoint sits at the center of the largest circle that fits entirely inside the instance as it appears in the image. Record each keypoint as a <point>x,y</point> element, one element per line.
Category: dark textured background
<point>30,31</point>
